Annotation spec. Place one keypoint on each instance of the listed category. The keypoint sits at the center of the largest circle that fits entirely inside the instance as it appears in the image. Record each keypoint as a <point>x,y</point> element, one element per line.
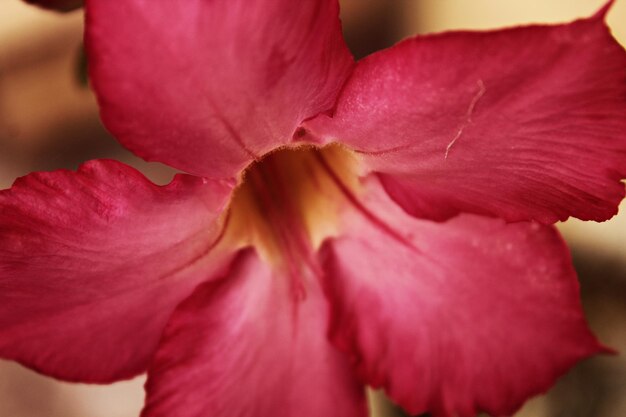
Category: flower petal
<point>92,263</point>
<point>206,86</point>
<point>247,346</point>
<point>456,317</point>
<point>524,123</point>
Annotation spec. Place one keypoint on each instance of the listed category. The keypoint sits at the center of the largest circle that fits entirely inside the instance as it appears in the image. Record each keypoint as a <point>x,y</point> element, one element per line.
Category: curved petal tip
<point>604,10</point>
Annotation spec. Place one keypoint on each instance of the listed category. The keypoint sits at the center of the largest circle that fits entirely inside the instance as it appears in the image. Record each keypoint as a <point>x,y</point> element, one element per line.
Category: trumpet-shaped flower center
<point>288,202</point>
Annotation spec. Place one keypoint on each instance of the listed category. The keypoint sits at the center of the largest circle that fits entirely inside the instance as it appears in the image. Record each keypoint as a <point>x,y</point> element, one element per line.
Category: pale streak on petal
<point>468,117</point>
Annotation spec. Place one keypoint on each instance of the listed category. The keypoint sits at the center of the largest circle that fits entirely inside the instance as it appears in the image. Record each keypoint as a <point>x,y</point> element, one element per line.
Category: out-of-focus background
<point>49,120</point>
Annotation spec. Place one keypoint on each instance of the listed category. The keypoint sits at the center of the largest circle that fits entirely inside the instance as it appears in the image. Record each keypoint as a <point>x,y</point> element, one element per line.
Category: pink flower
<point>384,223</point>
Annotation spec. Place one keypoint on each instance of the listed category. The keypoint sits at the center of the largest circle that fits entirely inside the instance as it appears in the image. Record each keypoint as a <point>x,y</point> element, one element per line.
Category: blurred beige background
<point>48,121</point>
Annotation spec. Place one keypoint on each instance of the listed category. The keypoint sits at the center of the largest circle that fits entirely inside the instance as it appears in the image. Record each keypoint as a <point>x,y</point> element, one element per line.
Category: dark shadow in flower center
<point>290,200</point>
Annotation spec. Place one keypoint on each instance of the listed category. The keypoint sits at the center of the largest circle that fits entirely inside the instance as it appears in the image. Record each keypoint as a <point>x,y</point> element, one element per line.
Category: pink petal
<point>60,5</point>
<point>247,346</point>
<point>92,263</point>
<point>456,317</point>
<point>524,123</point>
<point>206,86</point>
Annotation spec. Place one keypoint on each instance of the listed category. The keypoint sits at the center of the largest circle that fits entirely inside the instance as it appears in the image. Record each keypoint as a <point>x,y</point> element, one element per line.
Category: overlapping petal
<point>455,317</point>
<point>206,86</point>
<point>248,346</point>
<point>92,263</point>
<point>523,123</point>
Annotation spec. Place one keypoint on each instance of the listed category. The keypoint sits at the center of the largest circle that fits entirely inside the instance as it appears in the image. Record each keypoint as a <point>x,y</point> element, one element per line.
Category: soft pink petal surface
<point>92,263</point>
<point>524,123</point>
<point>455,317</point>
<point>246,347</point>
<point>205,86</point>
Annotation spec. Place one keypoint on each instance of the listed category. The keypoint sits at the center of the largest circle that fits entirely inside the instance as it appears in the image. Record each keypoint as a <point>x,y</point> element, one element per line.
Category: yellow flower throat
<point>289,201</point>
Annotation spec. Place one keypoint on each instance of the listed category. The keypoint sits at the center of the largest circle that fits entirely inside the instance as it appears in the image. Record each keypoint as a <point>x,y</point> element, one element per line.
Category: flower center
<point>289,201</point>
